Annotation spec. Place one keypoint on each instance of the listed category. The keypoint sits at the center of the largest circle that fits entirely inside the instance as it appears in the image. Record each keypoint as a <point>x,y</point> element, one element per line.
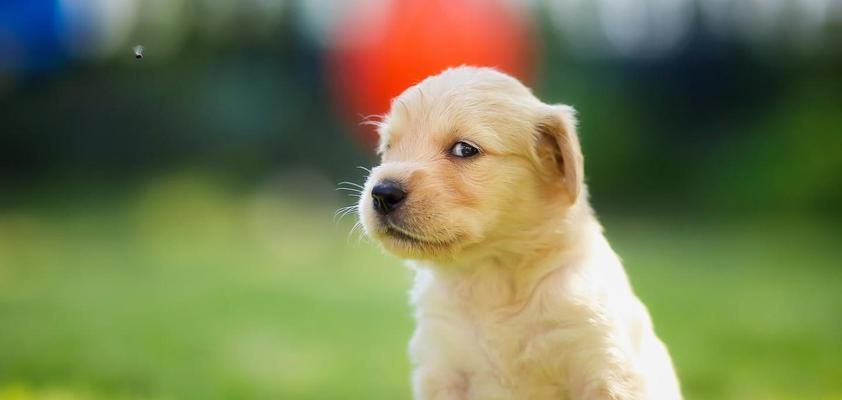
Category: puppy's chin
<point>408,243</point>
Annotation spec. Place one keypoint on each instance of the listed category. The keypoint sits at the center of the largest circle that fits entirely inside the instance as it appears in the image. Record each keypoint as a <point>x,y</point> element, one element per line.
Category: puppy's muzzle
<point>387,196</point>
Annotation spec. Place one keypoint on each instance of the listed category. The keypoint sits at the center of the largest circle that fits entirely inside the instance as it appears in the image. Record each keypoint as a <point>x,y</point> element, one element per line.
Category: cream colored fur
<point>518,295</point>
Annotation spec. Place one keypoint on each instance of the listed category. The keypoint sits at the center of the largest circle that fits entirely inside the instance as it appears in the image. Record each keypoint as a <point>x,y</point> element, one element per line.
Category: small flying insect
<point>138,52</point>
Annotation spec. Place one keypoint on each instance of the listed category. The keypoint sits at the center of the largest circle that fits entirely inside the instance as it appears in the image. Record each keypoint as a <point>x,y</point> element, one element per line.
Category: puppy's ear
<point>558,147</point>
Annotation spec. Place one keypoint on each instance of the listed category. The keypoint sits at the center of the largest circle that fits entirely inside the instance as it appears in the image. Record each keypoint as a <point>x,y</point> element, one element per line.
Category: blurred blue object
<point>30,35</point>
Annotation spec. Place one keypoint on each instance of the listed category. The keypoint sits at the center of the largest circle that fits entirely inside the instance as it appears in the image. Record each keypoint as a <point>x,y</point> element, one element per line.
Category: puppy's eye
<point>464,150</point>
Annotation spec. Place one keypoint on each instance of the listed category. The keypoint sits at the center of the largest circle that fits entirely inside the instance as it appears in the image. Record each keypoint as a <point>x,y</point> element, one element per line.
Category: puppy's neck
<point>506,270</point>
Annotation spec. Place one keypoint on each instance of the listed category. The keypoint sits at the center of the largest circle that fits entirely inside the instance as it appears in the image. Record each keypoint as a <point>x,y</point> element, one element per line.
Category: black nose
<point>387,196</point>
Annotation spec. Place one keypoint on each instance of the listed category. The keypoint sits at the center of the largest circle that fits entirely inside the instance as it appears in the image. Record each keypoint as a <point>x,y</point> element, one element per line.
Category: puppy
<point>518,295</point>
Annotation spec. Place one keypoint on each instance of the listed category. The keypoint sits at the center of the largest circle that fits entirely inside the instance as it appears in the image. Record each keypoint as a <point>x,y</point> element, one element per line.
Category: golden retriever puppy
<point>518,295</point>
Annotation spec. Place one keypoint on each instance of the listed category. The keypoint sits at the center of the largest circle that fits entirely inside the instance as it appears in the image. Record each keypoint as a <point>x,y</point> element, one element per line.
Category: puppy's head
<point>471,161</point>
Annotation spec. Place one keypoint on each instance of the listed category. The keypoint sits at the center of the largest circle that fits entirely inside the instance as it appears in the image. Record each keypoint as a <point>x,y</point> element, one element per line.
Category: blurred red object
<point>375,55</point>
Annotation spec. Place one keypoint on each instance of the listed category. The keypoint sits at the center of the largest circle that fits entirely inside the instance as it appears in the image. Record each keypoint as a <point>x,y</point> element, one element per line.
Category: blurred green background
<point>167,224</point>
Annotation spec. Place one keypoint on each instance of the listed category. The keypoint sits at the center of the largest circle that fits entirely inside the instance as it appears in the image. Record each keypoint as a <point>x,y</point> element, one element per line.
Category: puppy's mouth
<point>395,231</point>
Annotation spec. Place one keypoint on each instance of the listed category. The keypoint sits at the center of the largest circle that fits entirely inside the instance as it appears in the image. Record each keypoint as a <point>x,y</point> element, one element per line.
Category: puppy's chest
<point>516,351</point>
<point>509,342</point>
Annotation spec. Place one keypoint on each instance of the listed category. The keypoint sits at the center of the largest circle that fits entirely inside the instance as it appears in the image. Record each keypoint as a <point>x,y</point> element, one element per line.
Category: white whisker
<point>343,212</point>
<point>376,120</point>
<point>358,230</point>
<point>345,209</point>
<point>353,190</point>
<point>356,185</point>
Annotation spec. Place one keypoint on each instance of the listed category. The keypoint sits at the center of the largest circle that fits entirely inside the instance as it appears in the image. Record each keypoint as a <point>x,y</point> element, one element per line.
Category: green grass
<point>182,289</point>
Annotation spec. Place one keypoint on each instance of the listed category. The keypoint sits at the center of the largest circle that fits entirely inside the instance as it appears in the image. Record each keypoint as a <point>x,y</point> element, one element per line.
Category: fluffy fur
<point>518,295</point>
